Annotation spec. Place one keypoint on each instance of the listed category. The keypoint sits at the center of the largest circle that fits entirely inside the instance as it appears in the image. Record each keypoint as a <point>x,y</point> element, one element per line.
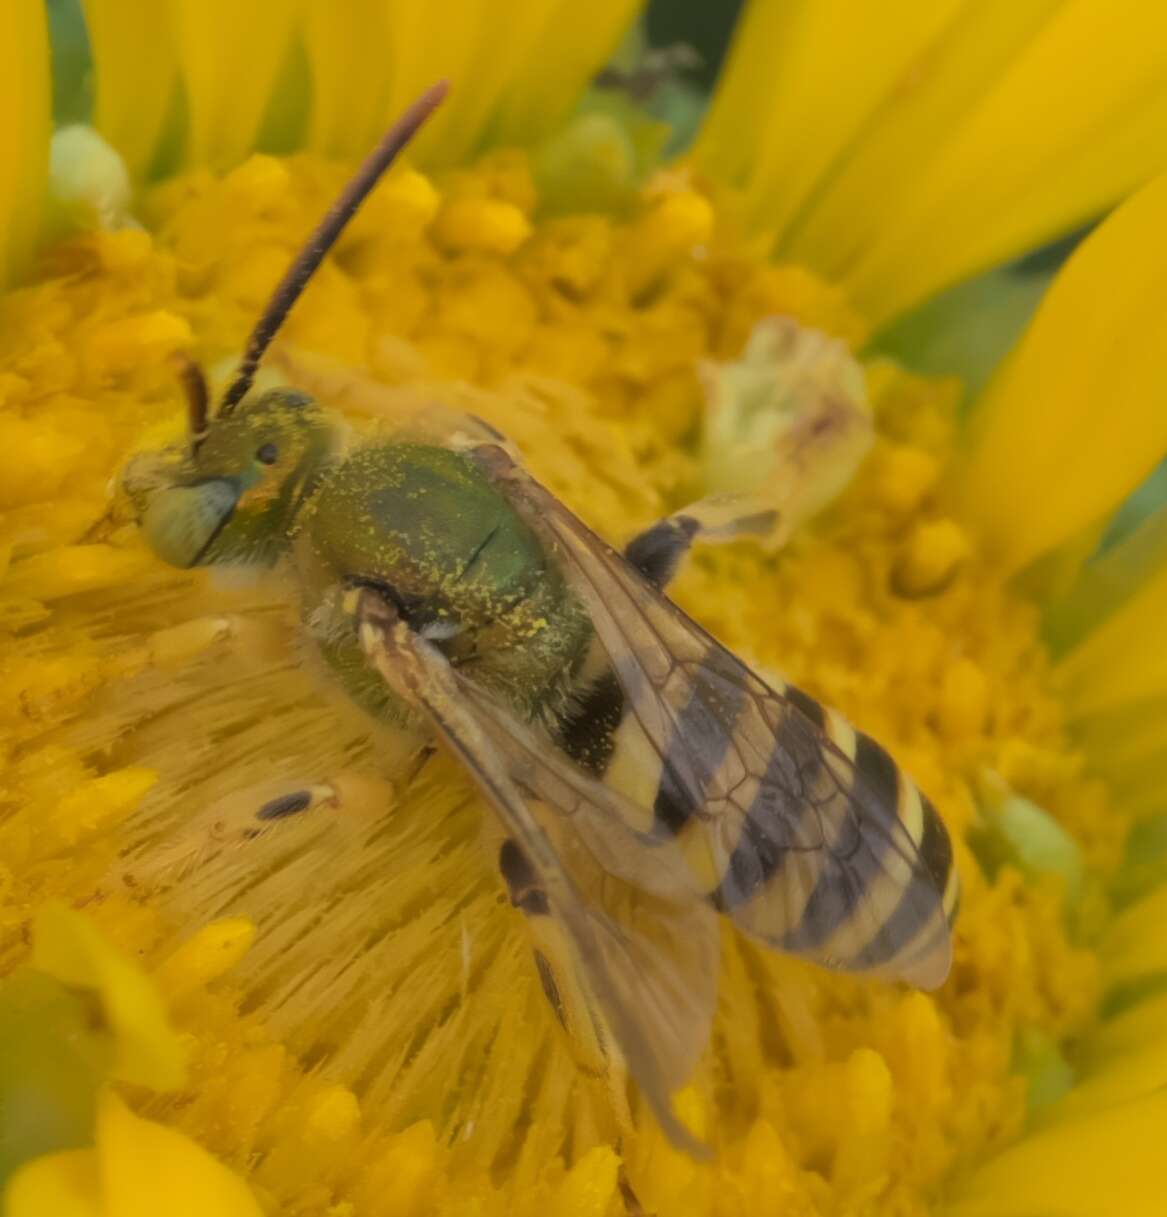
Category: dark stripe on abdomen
<point>855,858</point>
<point>921,908</point>
<point>671,808</point>
<point>701,735</point>
<point>921,905</point>
<point>807,704</point>
<point>776,820</point>
<point>587,732</point>
<point>878,773</point>
<point>935,846</point>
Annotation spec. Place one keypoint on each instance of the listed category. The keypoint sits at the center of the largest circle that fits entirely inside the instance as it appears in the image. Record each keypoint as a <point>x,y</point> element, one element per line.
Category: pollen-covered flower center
<point>394,1026</point>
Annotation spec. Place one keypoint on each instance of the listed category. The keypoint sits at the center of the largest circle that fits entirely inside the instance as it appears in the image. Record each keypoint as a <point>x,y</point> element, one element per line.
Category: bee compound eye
<point>267,454</point>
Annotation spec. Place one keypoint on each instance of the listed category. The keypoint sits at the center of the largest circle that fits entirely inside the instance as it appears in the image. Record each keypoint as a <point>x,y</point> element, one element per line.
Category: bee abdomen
<point>838,854</point>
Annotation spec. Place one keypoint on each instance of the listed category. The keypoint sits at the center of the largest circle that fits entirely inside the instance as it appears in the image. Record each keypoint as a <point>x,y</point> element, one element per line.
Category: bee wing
<point>649,952</point>
<point>806,833</point>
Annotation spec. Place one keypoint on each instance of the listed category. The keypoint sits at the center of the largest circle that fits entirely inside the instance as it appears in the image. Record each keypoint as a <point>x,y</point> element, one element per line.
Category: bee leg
<point>564,985</point>
<point>658,551</point>
<point>522,885</point>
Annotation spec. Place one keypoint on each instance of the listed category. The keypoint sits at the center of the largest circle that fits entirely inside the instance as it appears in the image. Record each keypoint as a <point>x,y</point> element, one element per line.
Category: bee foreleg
<point>658,551</point>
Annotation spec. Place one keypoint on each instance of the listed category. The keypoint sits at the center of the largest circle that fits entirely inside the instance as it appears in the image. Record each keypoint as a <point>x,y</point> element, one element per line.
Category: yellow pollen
<point>903,476</point>
<point>409,195</point>
<point>488,226</point>
<point>933,552</point>
<point>964,700</point>
<point>672,227</point>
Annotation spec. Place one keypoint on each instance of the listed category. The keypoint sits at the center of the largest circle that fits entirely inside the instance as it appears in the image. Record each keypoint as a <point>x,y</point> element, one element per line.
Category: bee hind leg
<point>658,551</point>
<point>564,984</point>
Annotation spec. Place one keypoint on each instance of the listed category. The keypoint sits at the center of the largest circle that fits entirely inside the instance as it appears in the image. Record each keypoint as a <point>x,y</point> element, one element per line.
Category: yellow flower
<point>366,1035</point>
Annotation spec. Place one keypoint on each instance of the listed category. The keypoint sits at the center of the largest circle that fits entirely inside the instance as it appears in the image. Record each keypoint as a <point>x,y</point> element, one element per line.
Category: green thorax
<point>427,527</point>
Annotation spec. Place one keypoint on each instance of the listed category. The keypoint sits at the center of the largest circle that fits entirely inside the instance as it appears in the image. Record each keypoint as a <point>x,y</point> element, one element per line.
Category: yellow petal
<point>1117,664</point>
<point>424,50</point>
<point>878,174</point>
<point>1077,122</point>
<point>370,59</point>
<point>1108,582</point>
<point>496,76</point>
<point>348,47</point>
<point>1126,739</point>
<point>24,132</point>
<point>58,1185</point>
<point>1127,1034</point>
<point>147,1169</point>
<point>1076,417</point>
<point>802,67</point>
<point>560,55</point>
<point>1135,947</point>
<point>1129,1077</point>
<point>230,55</point>
<point>727,143</point>
<point>68,946</point>
<point>1100,1166</point>
<point>132,91</point>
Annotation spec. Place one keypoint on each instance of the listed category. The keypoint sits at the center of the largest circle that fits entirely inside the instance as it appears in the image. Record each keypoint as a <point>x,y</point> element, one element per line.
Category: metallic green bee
<point>646,779</point>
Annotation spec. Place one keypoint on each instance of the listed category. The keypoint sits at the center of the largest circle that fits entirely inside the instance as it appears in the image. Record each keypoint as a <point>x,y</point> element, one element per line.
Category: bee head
<point>231,494</point>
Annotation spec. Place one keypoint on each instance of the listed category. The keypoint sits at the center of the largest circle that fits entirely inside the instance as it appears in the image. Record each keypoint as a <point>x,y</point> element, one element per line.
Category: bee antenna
<point>198,397</point>
<point>295,278</point>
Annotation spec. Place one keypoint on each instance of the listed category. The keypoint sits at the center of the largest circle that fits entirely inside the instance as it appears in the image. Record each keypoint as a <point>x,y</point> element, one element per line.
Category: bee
<point>648,783</point>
